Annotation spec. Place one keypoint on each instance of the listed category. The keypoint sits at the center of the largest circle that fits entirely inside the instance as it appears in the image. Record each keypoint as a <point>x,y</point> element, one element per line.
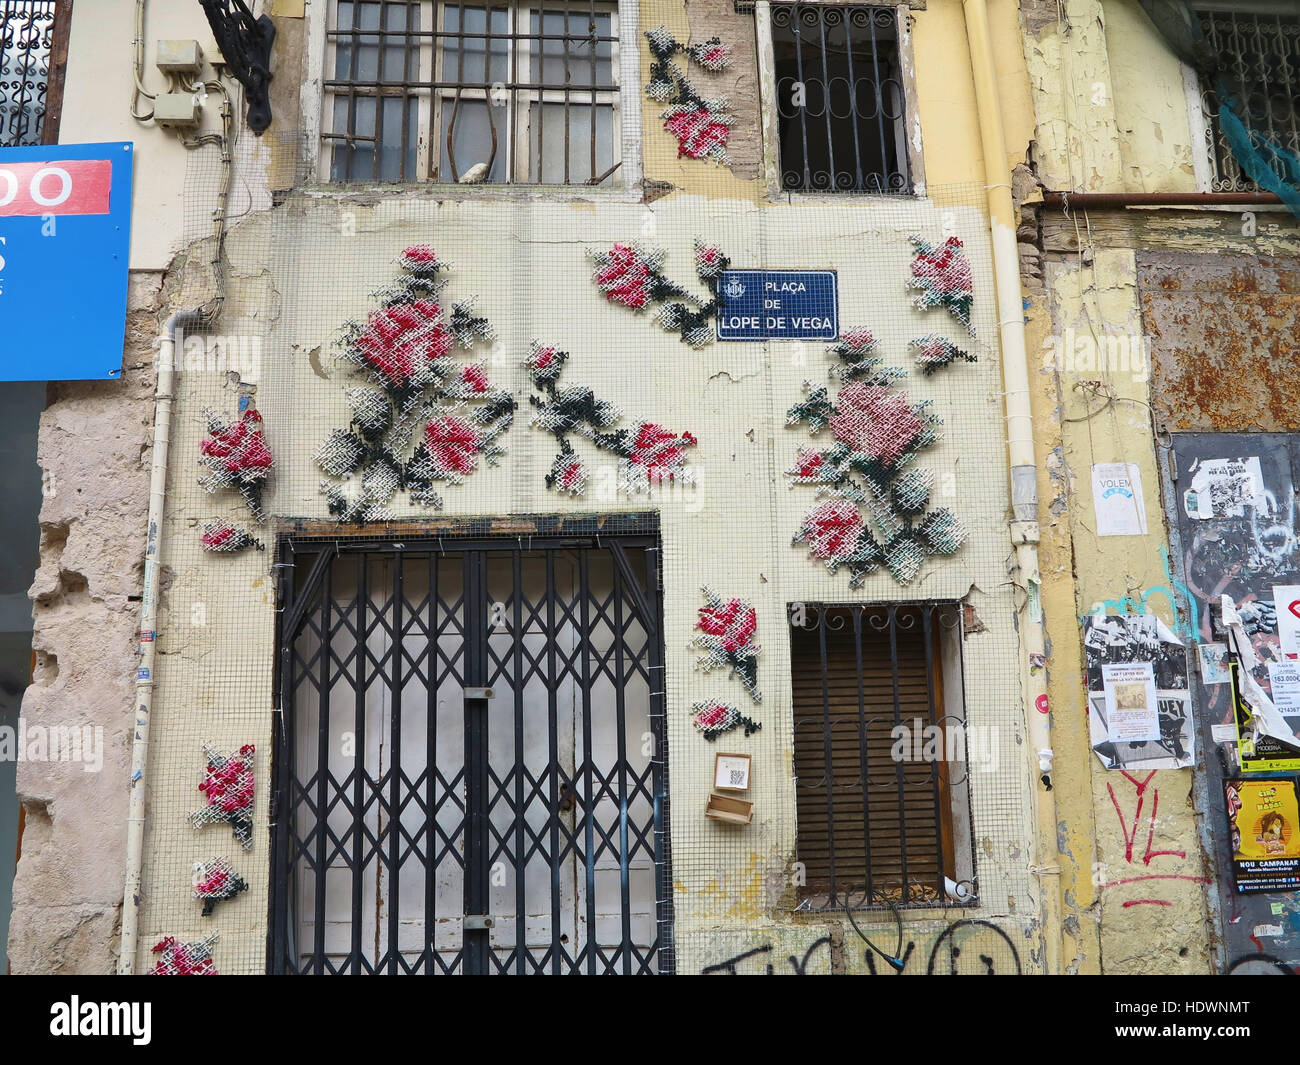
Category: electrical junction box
<point>213,53</point>
<point>177,110</point>
<point>178,57</point>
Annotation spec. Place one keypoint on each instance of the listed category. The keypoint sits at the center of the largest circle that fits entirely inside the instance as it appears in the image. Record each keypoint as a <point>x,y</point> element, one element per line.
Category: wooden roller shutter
<point>853,845</point>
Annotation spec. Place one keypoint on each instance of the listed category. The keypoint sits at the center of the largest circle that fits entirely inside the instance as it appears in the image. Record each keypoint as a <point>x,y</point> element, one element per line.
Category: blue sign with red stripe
<point>65,232</point>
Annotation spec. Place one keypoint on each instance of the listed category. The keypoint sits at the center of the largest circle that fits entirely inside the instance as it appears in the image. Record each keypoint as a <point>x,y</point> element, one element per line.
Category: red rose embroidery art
<point>878,433</point>
<point>406,350</point>
<point>228,787</point>
<point>943,276</point>
<point>712,718</point>
<point>184,959</point>
<point>701,125</point>
<point>726,637</point>
<point>238,456</point>
<point>650,454</point>
<point>631,275</point>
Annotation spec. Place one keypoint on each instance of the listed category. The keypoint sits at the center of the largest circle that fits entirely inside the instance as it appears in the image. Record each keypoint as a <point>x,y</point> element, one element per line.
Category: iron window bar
<point>26,38</point>
<point>851,646</point>
<point>446,81</point>
<point>322,816</point>
<point>1259,58</point>
<point>841,108</point>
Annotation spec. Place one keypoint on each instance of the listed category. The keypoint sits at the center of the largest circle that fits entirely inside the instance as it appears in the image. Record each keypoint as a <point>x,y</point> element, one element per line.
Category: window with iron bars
<point>27,29</point>
<point>840,102</point>
<point>501,93</point>
<point>881,756</point>
<point>1259,59</point>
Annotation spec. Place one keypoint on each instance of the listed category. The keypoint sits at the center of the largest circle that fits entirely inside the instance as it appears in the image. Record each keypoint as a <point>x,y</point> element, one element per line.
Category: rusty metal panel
<point>1223,339</point>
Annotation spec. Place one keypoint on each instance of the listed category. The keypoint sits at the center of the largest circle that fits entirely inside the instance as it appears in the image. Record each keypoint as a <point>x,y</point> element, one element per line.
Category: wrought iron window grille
<point>840,100</point>
<point>1259,60</point>
<point>26,39</point>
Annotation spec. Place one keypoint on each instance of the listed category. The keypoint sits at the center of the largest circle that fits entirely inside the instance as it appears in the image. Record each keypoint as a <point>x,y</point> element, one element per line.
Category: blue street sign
<point>65,231</point>
<point>778,305</point>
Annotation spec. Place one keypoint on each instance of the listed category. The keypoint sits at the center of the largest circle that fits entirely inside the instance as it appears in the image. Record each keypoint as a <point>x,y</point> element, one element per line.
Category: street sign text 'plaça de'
<point>778,305</point>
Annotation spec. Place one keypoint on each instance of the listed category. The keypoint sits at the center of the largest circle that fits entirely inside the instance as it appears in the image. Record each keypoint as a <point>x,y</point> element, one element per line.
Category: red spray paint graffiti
<point>1129,828</point>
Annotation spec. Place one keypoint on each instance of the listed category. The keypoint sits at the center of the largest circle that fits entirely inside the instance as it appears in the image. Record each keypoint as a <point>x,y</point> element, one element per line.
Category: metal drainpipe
<point>1024,467</point>
<point>1067,201</point>
<point>162,421</point>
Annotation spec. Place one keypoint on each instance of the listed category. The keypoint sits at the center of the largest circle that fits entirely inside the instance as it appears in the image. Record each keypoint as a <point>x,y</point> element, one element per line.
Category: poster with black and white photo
<point>1139,707</point>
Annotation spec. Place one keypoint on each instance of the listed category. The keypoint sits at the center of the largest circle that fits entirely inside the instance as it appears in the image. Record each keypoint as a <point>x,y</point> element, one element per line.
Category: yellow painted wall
<point>949,121</point>
<point>1112,116</point>
<point>1151,105</point>
<point>1112,111</point>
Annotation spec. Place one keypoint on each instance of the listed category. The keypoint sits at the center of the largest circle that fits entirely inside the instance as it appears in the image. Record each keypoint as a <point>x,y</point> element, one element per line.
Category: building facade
<point>625,501</point>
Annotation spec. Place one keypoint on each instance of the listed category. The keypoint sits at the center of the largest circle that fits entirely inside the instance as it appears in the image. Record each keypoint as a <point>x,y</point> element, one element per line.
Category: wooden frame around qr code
<point>732,775</point>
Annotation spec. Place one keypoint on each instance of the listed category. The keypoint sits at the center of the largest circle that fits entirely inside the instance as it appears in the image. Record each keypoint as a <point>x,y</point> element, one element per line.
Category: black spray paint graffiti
<point>948,941</point>
<point>1258,965</point>
<point>800,968</point>
<point>964,948</point>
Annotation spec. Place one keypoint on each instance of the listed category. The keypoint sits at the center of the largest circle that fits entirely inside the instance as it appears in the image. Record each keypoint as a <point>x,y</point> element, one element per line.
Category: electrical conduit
<point>163,395</point>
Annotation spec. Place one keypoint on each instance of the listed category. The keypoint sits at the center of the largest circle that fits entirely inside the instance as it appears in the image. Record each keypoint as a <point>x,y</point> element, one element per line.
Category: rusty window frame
<point>416,35</point>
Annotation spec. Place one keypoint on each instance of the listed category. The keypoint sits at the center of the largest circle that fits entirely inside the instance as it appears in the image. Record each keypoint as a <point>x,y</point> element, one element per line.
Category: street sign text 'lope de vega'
<point>778,305</point>
<point>65,230</point>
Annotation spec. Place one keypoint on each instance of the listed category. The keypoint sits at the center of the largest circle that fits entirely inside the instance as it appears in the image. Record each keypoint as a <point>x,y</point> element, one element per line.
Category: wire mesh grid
<point>727,519</point>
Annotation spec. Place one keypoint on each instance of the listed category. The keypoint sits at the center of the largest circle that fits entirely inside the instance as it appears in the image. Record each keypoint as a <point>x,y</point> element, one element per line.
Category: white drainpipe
<point>1024,466</point>
<point>148,624</point>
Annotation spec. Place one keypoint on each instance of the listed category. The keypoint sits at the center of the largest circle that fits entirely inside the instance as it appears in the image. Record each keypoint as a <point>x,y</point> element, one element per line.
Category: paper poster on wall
<point>1131,706</point>
<point>1286,601</point>
<point>1284,680</point>
<point>1264,822</point>
<point>1214,663</point>
<point>1117,499</point>
<point>1224,488</point>
<point>1139,707</point>
<point>1259,749</point>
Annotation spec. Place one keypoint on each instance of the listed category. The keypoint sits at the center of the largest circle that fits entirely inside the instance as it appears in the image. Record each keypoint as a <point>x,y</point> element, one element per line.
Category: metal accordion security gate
<point>470,768</point>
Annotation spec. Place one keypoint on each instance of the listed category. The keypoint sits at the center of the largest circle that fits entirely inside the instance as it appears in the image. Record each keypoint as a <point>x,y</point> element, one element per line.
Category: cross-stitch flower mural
<point>415,389</point>
<point>943,276</point>
<point>238,457</point>
<point>216,881</point>
<point>632,276</point>
<point>184,959</point>
<point>649,453</point>
<point>228,788</point>
<point>712,718</point>
<point>726,638</point>
<point>223,537</point>
<point>934,352</point>
<point>878,434</point>
<point>701,125</point>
